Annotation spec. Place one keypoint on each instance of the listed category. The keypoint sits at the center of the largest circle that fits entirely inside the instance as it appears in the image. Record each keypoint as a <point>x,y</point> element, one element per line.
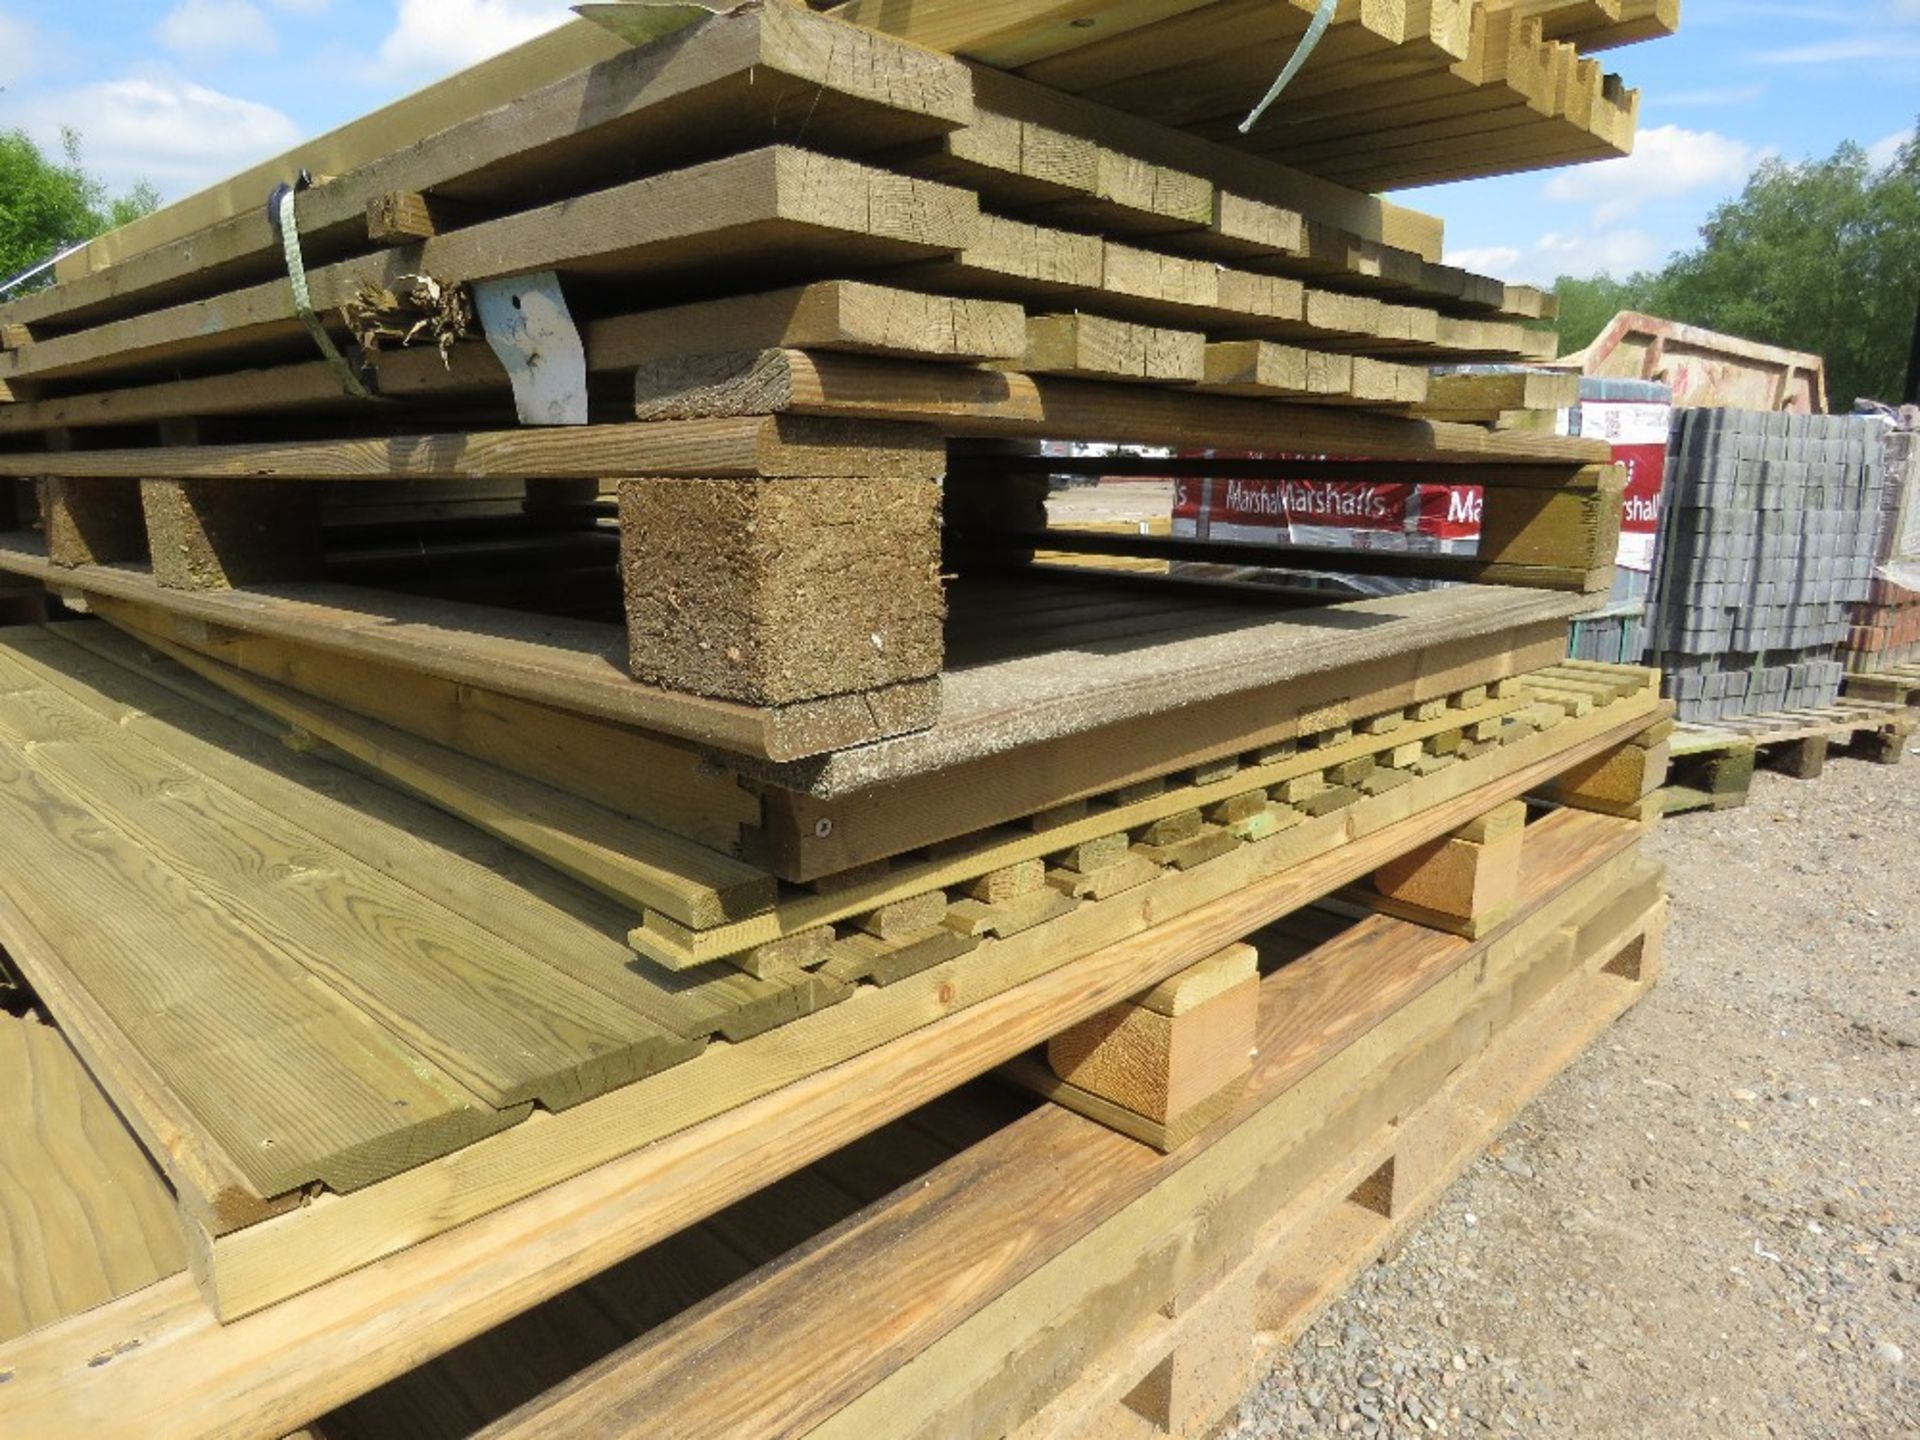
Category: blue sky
<point>184,92</point>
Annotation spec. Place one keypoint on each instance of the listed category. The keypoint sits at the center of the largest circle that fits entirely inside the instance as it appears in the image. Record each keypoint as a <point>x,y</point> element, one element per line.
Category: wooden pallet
<point>183,1096</point>
<point>158,1363</point>
<point>1148,1291</point>
<point>941,265</point>
<point>1713,764</point>
<point>1899,685</point>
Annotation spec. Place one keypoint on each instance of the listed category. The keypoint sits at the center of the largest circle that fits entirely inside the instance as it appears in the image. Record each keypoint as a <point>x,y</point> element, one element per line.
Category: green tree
<point>1587,305</point>
<point>1822,256</point>
<point>47,205</point>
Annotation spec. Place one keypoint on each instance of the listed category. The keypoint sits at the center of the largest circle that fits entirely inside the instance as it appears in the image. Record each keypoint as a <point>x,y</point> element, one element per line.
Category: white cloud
<point>1667,160</point>
<point>158,127</point>
<point>1557,253</point>
<point>1883,152</point>
<point>1484,260</point>
<point>19,45</point>
<point>199,29</point>
<point>444,35</point>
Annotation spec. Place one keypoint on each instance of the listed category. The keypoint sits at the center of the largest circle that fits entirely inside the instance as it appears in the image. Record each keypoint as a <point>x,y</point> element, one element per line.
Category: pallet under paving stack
<point>565,828</point>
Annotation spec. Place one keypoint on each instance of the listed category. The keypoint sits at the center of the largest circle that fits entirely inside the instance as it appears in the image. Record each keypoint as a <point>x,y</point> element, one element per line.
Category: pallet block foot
<point>225,534</point>
<point>93,522</point>
<point>1802,759</point>
<point>1167,1063</point>
<point>1615,782</point>
<point>1465,882</point>
<point>773,592</point>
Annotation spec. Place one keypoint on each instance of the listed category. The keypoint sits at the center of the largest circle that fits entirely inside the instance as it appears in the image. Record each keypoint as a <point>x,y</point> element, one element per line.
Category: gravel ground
<point>1710,1225</point>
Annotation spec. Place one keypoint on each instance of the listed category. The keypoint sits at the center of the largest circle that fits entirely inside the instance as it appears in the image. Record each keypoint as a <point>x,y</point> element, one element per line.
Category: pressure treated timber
<point>1066,1178</point>
<point>777,210</point>
<point>1301,1256</point>
<point>458,1000</point>
<point>676,946</point>
<point>265,1262</point>
<point>1045,174</point>
<point>292,1362</point>
<point>1553,1015</point>
<point>736,447</point>
<point>92,524</point>
<point>84,1217</point>
<point>1166,1053</point>
<point>231,1013</point>
<point>1484,396</point>
<point>1096,347</point>
<point>627,860</point>
<point>579,666</point>
<point>1014,1349</point>
<point>583,102</point>
<point>1016,734</point>
<point>1146,816</point>
<point>518,898</point>
<point>570,664</point>
<point>625,769</point>
<point>826,315</point>
<point>1004,404</point>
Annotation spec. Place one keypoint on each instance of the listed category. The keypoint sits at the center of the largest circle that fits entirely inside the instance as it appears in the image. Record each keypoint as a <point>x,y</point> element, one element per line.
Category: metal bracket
<point>641,22</point>
<point>527,323</point>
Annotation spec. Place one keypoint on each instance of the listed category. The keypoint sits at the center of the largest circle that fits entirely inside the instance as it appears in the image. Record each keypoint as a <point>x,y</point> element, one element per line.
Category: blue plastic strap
<point>1316,27</point>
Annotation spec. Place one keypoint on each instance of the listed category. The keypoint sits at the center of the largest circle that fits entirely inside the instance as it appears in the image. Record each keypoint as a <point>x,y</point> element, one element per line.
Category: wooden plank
<point>996,851</point>
<point>1485,396</point>
<point>625,859</point>
<point>1303,1248</point>
<point>919,804</point>
<point>1259,179</point>
<point>1011,405</point>
<point>827,315</point>
<point>590,452</point>
<point>1096,347</point>
<point>622,768</point>
<point>232,1019</point>
<point>84,1215</point>
<point>767,207</point>
<point>1176,918</point>
<point>583,102</point>
<point>572,665</point>
<point>514,896</point>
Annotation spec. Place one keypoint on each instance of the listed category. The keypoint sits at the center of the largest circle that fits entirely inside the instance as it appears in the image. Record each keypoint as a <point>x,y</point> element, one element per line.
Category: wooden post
<point>783,590</point>
<point>219,534</point>
<point>1465,882</point>
<point>1166,1063</point>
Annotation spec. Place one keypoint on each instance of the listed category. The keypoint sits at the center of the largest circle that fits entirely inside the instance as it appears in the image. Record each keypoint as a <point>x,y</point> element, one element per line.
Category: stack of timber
<point>1341,1053</point>
<point>614,727</point>
<point>756,498</point>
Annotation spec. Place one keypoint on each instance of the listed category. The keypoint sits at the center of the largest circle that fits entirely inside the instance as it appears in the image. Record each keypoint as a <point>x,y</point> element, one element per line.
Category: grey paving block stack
<point>1768,538</point>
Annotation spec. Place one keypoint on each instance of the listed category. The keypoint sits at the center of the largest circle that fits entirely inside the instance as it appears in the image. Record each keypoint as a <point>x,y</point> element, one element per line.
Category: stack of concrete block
<point>1766,546</point>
